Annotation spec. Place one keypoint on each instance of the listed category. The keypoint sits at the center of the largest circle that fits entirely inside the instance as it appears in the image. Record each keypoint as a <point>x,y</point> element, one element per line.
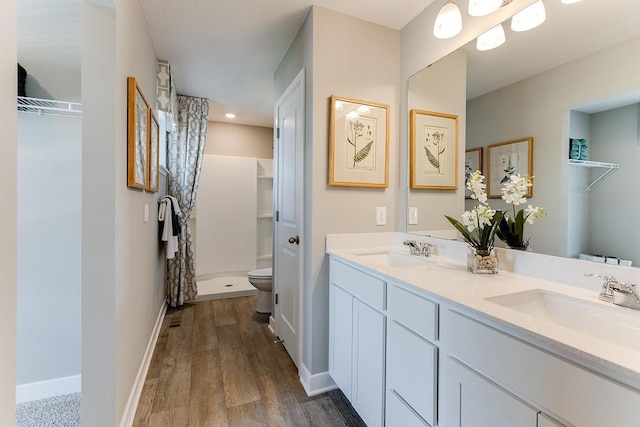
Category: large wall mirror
<point>575,76</point>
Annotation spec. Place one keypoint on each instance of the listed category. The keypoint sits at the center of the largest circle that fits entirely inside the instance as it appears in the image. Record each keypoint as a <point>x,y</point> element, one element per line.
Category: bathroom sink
<point>613,324</point>
<point>393,259</point>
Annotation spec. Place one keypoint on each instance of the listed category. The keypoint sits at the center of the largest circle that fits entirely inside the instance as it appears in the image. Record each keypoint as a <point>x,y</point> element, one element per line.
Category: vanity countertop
<point>448,279</point>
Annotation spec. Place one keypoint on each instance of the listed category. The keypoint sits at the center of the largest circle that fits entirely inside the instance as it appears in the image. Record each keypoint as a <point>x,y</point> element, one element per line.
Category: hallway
<point>216,364</point>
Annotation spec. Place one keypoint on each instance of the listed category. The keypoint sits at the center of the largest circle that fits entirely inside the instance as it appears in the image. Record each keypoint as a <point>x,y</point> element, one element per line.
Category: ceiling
<point>228,50</point>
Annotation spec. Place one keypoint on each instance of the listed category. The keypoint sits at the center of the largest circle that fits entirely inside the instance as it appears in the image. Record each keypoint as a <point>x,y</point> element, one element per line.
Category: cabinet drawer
<point>367,288</point>
<point>400,414</point>
<point>412,370</point>
<point>568,391</point>
<point>413,311</point>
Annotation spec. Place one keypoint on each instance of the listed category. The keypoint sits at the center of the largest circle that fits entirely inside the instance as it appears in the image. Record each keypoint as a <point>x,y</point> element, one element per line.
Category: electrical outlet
<point>413,215</point>
<point>381,215</point>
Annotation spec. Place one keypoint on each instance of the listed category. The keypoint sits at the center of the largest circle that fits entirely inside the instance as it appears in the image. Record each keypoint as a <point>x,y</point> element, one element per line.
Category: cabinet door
<point>368,363</point>
<point>340,338</point>
<point>474,401</point>
<point>399,413</point>
<point>412,371</point>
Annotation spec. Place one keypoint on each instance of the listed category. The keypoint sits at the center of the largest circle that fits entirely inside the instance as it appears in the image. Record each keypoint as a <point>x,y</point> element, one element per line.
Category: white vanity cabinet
<point>357,332</point>
<point>486,368</point>
<point>412,358</point>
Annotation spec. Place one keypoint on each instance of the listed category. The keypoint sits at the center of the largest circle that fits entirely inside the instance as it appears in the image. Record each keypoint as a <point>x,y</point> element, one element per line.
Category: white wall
<point>614,138</point>
<point>123,266</point>
<point>226,215</point>
<point>49,247</point>
<point>544,101</point>
<point>8,215</point>
<point>441,88</point>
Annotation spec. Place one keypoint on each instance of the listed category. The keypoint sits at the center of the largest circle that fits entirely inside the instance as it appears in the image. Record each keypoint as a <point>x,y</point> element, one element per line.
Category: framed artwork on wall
<point>359,143</point>
<point>472,163</point>
<point>137,136</point>
<point>154,152</point>
<point>433,148</point>
<point>505,159</point>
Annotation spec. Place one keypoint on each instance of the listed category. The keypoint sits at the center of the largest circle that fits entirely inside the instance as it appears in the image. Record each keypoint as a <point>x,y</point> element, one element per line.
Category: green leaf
<point>432,159</point>
<point>468,237</point>
<point>363,153</point>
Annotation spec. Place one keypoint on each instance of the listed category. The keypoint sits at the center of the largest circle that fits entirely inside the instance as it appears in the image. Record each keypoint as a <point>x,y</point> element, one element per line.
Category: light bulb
<point>491,39</point>
<point>483,7</point>
<point>529,18</point>
<point>449,21</point>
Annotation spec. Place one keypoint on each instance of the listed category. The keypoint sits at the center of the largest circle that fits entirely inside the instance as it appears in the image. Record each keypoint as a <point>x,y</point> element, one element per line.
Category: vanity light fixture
<point>449,21</point>
<point>491,39</point>
<point>529,18</point>
<point>230,116</point>
<point>483,7</point>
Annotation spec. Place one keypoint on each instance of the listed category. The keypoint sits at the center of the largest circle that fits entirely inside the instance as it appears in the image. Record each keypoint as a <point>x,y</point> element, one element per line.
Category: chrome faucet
<point>419,248</point>
<point>619,293</point>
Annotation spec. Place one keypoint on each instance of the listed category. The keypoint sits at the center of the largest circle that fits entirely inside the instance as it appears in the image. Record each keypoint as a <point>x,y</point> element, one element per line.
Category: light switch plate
<point>381,215</point>
<point>413,215</point>
<point>146,213</point>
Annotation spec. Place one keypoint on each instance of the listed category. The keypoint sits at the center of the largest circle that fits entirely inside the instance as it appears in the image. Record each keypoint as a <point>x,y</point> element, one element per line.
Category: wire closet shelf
<point>49,107</point>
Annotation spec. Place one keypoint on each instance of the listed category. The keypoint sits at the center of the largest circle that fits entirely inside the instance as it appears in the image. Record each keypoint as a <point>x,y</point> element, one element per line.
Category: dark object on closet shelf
<point>22,81</point>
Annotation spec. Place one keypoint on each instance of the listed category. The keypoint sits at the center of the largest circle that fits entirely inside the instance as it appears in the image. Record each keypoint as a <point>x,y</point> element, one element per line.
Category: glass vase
<point>482,262</point>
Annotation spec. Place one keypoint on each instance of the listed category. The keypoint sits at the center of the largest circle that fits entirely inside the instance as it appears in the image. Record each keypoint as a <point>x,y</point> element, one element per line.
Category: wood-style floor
<point>216,364</point>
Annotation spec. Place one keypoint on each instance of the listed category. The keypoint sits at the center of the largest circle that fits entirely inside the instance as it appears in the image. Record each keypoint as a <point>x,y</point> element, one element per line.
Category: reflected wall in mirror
<point>575,76</point>
<point>137,136</point>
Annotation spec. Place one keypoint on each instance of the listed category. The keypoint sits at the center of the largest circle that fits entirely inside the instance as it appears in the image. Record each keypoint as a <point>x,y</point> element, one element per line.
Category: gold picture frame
<point>433,150</point>
<point>505,159</point>
<point>359,143</point>
<point>137,136</point>
<point>472,162</point>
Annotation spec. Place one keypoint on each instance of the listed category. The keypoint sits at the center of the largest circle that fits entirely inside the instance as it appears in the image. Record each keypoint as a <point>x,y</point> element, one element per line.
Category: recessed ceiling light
<point>230,116</point>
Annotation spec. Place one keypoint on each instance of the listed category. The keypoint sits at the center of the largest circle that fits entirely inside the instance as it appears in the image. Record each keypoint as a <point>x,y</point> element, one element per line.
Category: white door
<point>289,184</point>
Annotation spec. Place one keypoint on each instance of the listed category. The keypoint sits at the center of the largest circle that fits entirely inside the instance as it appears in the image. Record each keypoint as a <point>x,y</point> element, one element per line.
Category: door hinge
<point>276,298</point>
<point>277,216</point>
<point>278,133</point>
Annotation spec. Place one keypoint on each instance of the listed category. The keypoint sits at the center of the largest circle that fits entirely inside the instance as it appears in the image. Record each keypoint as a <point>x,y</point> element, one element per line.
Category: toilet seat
<point>261,274</point>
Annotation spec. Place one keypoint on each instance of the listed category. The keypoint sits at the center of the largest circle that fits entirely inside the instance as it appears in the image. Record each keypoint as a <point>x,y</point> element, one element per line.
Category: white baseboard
<point>136,391</point>
<point>316,383</point>
<point>50,388</point>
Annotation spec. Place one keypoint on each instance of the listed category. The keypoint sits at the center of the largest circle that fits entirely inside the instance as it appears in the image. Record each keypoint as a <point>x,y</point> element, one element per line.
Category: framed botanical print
<point>505,159</point>
<point>359,143</point>
<point>433,151</point>
<point>137,136</point>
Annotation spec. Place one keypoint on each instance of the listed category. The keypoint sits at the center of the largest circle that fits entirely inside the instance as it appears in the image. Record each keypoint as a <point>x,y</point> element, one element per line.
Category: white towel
<point>168,207</point>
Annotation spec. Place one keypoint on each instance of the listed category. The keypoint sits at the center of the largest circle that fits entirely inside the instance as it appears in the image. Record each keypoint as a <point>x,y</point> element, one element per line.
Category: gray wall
<point>49,248</point>
<point>615,200</point>
<point>8,215</point>
<point>228,139</point>
<point>578,182</point>
<point>368,69</point>
<point>122,265</point>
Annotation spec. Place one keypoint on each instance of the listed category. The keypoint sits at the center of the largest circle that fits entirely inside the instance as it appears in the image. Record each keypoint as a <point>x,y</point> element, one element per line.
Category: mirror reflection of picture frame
<point>359,143</point>
<point>472,163</point>
<point>505,159</point>
<point>433,148</point>
<point>137,136</point>
<point>154,152</point>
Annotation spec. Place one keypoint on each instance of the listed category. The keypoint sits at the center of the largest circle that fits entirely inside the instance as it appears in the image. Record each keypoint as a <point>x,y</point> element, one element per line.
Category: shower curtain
<point>185,152</point>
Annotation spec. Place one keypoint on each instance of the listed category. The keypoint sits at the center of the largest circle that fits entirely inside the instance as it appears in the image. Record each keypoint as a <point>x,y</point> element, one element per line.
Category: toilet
<point>261,279</point>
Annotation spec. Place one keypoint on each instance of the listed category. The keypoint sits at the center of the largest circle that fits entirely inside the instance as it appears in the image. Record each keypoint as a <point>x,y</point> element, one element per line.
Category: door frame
<point>298,81</point>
